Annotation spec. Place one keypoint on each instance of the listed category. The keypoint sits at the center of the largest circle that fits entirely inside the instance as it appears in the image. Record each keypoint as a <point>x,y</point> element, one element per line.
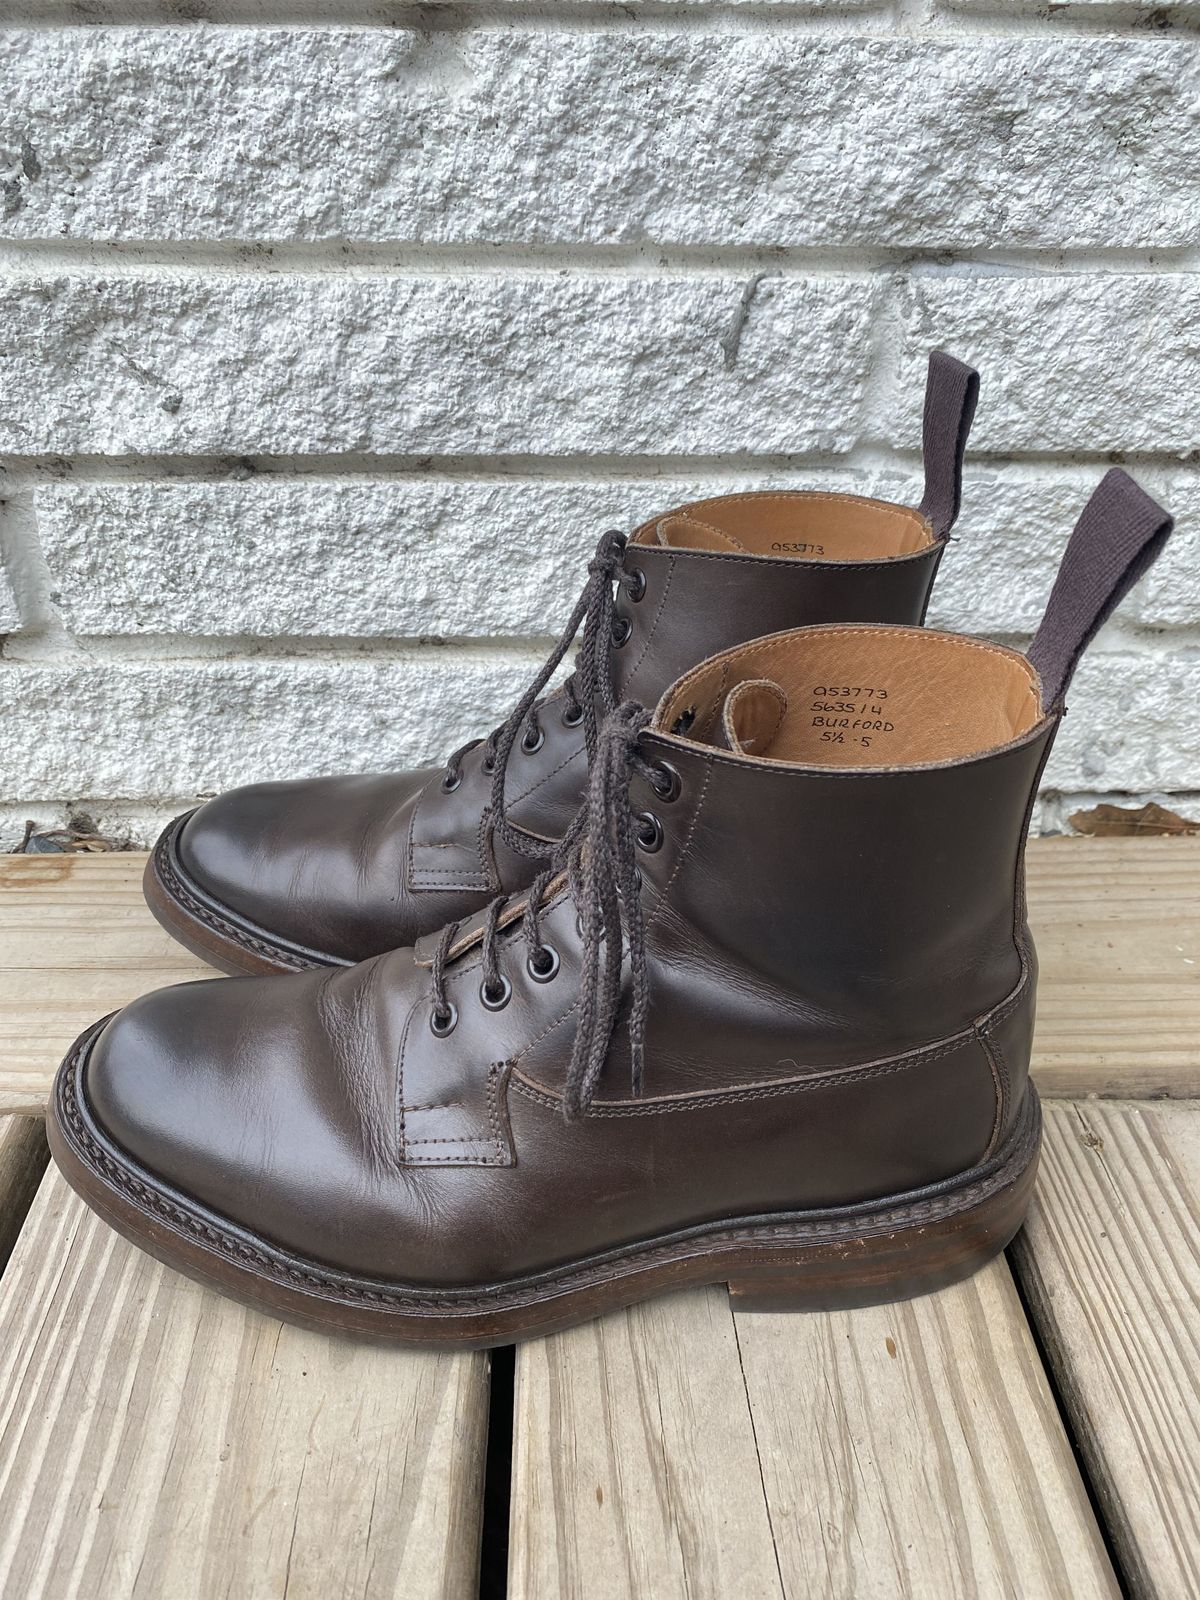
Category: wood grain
<point>1110,1262</point>
<point>913,1450</point>
<point>1117,926</point>
<point>1117,923</point>
<point>76,941</point>
<point>23,1158</point>
<point>156,1440</point>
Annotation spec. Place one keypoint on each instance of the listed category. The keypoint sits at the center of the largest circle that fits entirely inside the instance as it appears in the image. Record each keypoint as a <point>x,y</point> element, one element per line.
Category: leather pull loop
<point>951,394</point>
<point>1118,536</point>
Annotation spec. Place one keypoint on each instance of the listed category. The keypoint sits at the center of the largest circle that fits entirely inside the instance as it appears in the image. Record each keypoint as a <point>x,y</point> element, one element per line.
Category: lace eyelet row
<point>443,1023</point>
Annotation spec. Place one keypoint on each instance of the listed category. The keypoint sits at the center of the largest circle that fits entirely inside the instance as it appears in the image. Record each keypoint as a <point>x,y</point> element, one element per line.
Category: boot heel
<point>902,1250</point>
<point>770,1292</point>
<point>876,1272</point>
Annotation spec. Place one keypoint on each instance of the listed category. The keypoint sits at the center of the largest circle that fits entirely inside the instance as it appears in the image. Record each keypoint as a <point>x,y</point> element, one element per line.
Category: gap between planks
<point>157,1440</point>
<point>959,1417</point>
<point>23,1159</point>
<point>683,1451</point>
<point>1110,1265</point>
<point>1116,922</point>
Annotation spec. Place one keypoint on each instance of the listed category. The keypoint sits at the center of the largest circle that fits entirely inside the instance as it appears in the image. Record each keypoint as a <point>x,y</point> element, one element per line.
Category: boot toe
<point>219,845</point>
<point>235,1094</point>
<point>230,1090</point>
<point>161,1083</point>
<point>230,848</point>
<point>315,864</point>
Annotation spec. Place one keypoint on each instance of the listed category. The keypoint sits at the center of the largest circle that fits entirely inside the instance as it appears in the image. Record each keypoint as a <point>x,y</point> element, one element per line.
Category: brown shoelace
<point>597,856</point>
<point>588,692</point>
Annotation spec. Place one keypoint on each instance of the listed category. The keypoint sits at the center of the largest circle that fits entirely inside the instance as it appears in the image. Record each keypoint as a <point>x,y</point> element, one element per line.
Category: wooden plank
<point>678,1450</point>
<point>156,1440</point>
<point>76,941</point>
<point>1117,923</point>
<point>1110,1263</point>
<point>634,1465</point>
<point>23,1158</point>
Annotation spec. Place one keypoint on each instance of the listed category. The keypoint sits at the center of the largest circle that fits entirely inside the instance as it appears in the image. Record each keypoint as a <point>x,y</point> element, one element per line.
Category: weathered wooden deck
<point>1034,1432</point>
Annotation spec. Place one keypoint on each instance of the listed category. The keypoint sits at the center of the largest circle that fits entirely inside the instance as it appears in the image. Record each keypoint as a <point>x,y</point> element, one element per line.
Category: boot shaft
<point>691,582</point>
<point>843,837</point>
<point>719,572</point>
<point>724,570</point>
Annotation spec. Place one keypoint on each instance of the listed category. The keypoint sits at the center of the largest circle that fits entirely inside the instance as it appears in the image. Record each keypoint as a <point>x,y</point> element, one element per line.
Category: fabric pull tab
<point>1118,536</point>
<point>951,394</point>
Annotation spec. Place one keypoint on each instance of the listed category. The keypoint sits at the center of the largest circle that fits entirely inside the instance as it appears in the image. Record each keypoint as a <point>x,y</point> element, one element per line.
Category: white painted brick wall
<point>328,349</point>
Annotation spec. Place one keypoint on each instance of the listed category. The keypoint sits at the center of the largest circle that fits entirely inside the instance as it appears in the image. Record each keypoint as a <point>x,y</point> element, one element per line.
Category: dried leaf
<point>1130,822</point>
<point>78,838</point>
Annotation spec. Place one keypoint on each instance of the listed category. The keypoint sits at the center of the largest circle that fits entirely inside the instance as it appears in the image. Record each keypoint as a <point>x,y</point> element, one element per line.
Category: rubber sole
<point>885,1250</point>
<point>212,931</point>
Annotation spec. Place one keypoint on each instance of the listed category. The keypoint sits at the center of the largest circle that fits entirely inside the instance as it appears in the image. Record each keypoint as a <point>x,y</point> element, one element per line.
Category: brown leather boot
<point>766,1020</point>
<point>282,876</point>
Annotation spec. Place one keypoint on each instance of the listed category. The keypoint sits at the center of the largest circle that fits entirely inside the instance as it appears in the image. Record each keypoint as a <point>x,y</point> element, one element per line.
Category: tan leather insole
<point>859,697</point>
<point>795,523</point>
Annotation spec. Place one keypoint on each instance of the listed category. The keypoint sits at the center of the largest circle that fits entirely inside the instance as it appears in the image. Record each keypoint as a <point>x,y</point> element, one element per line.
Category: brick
<point>1070,362</point>
<point>400,558</point>
<point>1130,726</point>
<point>642,138</point>
<point>205,364</point>
<point>142,730</point>
<point>139,730</point>
<point>408,557</point>
<point>1011,537</point>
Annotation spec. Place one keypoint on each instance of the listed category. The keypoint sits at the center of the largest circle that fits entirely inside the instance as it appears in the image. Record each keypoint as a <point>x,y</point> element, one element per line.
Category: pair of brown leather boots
<point>712,966</point>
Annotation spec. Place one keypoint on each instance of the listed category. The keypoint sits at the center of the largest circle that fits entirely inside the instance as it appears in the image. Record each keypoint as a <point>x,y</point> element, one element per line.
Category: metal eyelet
<point>544,974</point>
<point>622,629</point>
<point>532,746</point>
<point>635,584</point>
<point>496,1002</point>
<point>443,1022</point>
<point>649,834</point>
<point>488,764</point>
<point>666,782</point>
<point>450,782</point>
<point>572,717</point>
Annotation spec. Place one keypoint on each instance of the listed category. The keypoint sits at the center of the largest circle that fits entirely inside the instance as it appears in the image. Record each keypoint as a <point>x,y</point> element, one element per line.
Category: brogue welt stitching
<point>933,1207</point>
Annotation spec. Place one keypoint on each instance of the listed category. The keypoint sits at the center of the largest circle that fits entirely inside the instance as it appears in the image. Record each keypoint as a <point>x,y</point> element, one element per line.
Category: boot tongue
<point>751,717</point>
<point>681,532</point>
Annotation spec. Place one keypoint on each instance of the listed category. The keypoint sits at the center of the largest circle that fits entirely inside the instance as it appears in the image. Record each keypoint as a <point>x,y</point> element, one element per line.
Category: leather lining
<point>861,697</point>
<point>794,523</point>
